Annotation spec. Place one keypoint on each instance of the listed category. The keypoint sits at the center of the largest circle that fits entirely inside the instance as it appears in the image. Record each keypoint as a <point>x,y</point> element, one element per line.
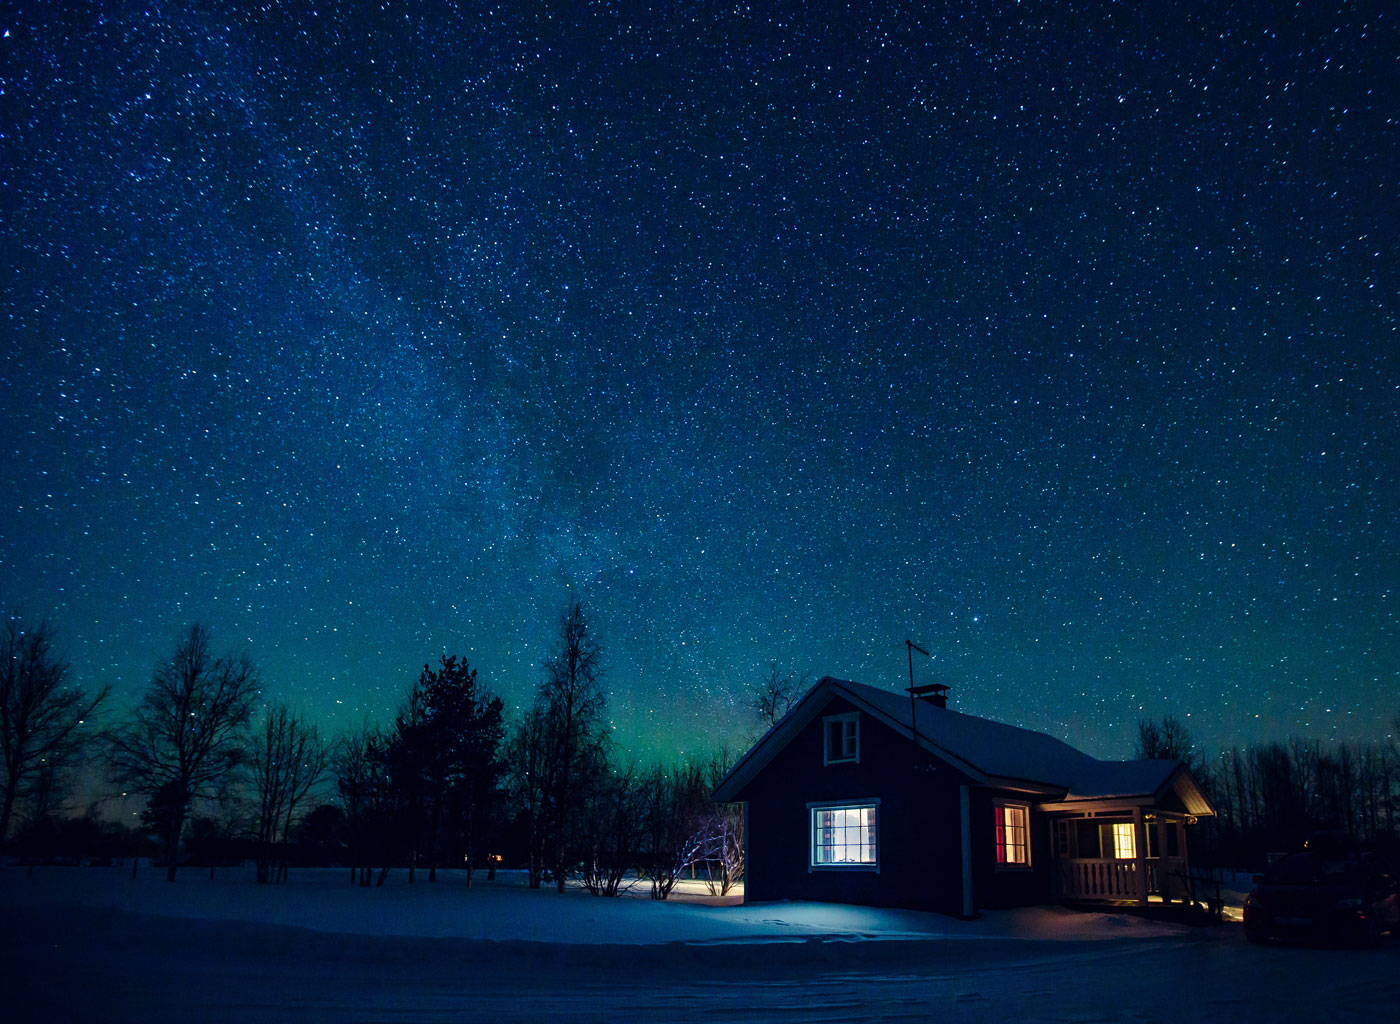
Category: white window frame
<point>999,808</point>
<point>1124,836</point>
<point>860,803</point>
<point>850,737</point>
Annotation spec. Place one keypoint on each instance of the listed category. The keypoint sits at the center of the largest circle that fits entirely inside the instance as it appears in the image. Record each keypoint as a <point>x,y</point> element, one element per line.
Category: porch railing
<point>1099,879</point>
<point>1116,879</point>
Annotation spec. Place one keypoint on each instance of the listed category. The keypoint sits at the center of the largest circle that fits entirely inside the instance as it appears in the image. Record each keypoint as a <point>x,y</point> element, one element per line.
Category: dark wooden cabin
<point>861,795</point>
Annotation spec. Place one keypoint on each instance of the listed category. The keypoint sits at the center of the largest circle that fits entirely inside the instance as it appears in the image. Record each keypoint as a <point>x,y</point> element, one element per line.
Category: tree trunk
<point>172,842</point>
<point>435,831</point>
<point>11,787</point>
<point>558,865</point>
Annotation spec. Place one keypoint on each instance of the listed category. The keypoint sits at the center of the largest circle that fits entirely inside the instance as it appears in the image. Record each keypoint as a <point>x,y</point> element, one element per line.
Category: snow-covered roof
<point>989,748</point>
<point>991,753</point>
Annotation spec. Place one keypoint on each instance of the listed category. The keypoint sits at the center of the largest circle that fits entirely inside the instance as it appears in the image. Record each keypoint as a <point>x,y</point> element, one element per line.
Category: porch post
<point>1140,855</point>
<point>1165,883</point>
<point>1188,886</point>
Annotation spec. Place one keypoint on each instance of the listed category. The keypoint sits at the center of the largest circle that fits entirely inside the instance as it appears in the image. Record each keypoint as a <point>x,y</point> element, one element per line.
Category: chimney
<point>934,693</point>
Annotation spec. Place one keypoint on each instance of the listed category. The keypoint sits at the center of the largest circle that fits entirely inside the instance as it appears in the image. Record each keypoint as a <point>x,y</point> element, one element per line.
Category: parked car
<point>1328,892</point>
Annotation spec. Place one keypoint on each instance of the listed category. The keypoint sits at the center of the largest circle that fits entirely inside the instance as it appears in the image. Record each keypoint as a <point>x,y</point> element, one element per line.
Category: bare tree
<point>723,853</point>
<point>1169,739</point>
<point>288,759</point>
<point>526,756</point>
<point>358,762</point>
<point>687,829</point>
<point>676,813</point>
<point>776,695</point>
<point>186,736</point>
<point>1271,796</point>
<point>42,717</point>
<point>724,849</point>
<point>559,751</point>
<point>610,834</point>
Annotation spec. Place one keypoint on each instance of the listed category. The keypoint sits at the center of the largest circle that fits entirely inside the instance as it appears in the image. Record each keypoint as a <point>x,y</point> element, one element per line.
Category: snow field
<point>508,911</point>
<point>90,945</point>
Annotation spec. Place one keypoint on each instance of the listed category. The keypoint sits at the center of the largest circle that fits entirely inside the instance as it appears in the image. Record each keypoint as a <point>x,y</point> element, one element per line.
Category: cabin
<point>862,795</point>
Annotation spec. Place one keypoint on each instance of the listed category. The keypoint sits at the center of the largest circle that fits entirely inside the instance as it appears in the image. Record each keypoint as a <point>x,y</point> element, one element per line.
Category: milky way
<point>1060,338</point>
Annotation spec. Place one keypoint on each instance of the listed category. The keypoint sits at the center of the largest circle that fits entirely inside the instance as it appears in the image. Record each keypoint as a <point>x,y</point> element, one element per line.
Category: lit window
<point>1124,844</point>
<point>842,738</point>
<point>844,836</point>
<point>1013,834</point>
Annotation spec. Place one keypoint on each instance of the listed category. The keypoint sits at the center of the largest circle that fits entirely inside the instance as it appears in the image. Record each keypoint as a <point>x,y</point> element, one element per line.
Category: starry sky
<point>1058,337</point>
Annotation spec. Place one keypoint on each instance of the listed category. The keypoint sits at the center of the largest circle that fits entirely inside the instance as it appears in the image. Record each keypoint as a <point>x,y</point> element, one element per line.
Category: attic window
<point>841,738</point>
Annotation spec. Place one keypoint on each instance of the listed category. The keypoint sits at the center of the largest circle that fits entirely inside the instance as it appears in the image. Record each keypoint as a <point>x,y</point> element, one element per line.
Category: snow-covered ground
<point>507,911</point>
<point>92,944</point>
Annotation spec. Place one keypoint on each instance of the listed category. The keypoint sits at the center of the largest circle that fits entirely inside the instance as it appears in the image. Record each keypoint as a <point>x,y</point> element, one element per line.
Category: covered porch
<point>1126,850</point>
<point>1113,857</point>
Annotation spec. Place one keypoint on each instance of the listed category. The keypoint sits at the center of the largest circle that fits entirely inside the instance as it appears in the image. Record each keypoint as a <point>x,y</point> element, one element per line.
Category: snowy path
<point>69,962</point>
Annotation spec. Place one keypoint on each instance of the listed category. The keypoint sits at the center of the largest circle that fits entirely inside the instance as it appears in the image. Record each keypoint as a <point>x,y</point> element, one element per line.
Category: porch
<point>1117,857</point>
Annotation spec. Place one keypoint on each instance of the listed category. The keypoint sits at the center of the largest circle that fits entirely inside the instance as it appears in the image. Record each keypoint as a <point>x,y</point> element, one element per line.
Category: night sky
<point>1058,337</point>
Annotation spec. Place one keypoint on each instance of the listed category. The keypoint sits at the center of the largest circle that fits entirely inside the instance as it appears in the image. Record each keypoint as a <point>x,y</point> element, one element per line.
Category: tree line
<point>451,783</point>
<point>448,783</point>
<point>1271,796</point>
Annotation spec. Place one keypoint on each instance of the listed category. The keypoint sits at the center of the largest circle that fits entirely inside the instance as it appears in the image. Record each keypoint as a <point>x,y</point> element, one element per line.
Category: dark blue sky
<point>1060,337</point>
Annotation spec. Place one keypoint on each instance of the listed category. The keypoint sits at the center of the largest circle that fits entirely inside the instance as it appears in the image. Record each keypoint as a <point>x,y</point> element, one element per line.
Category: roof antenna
<point>910,647</point>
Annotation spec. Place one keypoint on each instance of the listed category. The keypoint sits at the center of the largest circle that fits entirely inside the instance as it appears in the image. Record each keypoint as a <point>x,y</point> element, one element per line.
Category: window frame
<point>851,718</point>
<point>815,807</point>
<point>1123,835</point>
<point>999,844</point>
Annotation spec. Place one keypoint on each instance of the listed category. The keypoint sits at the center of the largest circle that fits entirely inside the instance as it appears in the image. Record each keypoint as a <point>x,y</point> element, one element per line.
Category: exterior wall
<point>920,836</point>
<point>996,886</point>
